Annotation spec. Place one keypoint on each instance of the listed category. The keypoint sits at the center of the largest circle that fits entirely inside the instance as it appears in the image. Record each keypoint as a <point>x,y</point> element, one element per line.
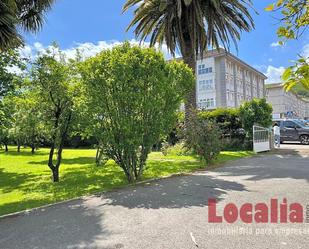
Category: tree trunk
<point>6,148</point>
<point>32,149</point>
<point>18,148</point>
<point>189,58</point>
<point>55,174</point>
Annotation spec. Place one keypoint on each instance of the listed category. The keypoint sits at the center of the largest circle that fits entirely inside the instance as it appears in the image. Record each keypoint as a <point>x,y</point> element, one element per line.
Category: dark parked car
<point>293,130</point>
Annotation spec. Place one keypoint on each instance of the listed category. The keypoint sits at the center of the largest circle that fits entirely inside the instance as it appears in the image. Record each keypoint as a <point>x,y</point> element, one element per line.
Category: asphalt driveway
<point>173,213</point>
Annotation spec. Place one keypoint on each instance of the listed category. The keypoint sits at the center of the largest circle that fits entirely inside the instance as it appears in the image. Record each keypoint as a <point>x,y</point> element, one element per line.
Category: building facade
<point>223,80</point>
<point>286,104</point>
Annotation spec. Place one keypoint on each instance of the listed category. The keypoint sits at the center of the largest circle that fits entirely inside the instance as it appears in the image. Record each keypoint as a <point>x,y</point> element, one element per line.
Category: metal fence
<point>261,139</point>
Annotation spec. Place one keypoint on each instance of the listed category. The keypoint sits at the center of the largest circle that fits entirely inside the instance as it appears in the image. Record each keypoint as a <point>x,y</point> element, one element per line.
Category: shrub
<point>203,137</point>
<point>256,111</point>
<point>178,149</point>
<point>133,98</point>
<point>227,119</point>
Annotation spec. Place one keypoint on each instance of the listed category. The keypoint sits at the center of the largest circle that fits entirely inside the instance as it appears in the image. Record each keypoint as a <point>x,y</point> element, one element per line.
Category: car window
<point>289,124</point>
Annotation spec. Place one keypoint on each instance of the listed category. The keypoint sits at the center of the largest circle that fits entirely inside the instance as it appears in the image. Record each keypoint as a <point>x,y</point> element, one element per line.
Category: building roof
<point>222,52</point>
<point>281,85</point>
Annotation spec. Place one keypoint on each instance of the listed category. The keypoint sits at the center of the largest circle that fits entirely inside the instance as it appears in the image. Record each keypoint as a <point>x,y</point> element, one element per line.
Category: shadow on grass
<point>77,160</point>
<point>89,179</point>
<point>40,190</point>
<point>23,153</point>
<point>11,181</point>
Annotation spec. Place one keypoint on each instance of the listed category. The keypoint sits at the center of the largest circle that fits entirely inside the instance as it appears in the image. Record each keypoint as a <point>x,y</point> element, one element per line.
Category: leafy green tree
<point>28,128</point>
<point>20,15</point>
<point>203,137</point>
<point>8,78</point>
<point>294,20</point>
<point>255,112</point>
<point>6,120</point>
<point>133,95</point>
<point>297,74</point>
<point>191,26</point>
<point>54,86</point>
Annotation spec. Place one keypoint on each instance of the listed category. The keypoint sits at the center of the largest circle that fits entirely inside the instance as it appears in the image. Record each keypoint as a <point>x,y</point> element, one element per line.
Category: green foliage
<point>203,137</point>
<point>54,84</point>
<point>17,16</point>
<point>28,128</point>
<point>294,22</point>
<point>255,112</point>
<point>179,149</point>
<point>190,25</point>
<point>298,74</point>
<point>230,125</point>
<point>301,91</point>
<point>25,183</point>
<point>227,119</point>
<point>295,17</point>
<point>8,79</point>
<point>6,119</point>
<point>132,98</point>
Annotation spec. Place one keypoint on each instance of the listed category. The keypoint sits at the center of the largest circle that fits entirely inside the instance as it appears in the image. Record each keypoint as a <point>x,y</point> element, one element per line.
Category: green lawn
<point>25,180</point>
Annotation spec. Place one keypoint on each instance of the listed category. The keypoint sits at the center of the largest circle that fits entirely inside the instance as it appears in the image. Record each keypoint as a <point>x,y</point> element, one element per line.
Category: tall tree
<point>55,85</point>
<point>18,15</point>
<point>10,63</point>
<point>7,111</point>
<point>28,128</point>
<point>190,26</point>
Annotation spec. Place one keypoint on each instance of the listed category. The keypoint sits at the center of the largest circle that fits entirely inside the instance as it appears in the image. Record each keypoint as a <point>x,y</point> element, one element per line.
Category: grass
<point>25,179</point>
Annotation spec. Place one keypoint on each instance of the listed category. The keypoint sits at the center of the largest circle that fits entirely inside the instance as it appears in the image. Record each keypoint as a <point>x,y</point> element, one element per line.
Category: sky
<point>94,25</point>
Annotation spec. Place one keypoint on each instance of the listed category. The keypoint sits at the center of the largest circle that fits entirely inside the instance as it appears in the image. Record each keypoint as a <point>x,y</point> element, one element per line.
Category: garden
<point>73,127</point>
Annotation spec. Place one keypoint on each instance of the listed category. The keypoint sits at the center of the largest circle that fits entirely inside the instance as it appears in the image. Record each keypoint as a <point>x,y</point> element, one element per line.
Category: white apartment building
<point>286,104</point>
<point>223,80</point>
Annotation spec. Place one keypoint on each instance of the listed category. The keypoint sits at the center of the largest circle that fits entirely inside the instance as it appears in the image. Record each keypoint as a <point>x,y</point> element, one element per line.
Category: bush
<point>227,119</point>
<point>233,136</point>
<point>178,149</point>
<point>203,137</point>
<point>133,96</point>
<point>255,112</point>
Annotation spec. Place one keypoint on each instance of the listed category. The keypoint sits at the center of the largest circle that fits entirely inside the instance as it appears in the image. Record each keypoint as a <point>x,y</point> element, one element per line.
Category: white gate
<point>261,139</point>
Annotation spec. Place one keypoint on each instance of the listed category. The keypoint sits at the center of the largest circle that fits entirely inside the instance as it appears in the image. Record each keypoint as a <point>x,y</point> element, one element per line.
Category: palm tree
<point>17,15</point>
<point>190,26</point>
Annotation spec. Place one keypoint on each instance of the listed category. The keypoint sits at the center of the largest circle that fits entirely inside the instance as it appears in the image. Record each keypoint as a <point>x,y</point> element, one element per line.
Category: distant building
<point>286,104</point>
<point>223,80</point>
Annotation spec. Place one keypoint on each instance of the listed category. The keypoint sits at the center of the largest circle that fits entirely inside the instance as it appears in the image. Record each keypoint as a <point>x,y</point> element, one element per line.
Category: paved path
<point>171,213</point>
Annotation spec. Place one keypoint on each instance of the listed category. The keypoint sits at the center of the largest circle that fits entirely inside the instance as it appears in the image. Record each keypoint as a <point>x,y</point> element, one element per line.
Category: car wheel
<point>304,139</point>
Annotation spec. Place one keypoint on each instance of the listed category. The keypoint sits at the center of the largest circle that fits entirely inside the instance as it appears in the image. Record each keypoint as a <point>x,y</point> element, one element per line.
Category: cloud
<point>305,51</point>
<point>275,44</point>
<point>274,74</point>
<point>86,49</point>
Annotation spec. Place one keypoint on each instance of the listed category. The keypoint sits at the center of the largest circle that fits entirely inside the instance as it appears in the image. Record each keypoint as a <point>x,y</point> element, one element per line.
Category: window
<point>206,85</point>
<point>202,69</point>
<point>206,103</point>
<point>210,102</point>
<point>289,124</point>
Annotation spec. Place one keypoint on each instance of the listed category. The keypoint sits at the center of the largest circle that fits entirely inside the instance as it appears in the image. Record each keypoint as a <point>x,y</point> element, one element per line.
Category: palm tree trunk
<point>190,59</point>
